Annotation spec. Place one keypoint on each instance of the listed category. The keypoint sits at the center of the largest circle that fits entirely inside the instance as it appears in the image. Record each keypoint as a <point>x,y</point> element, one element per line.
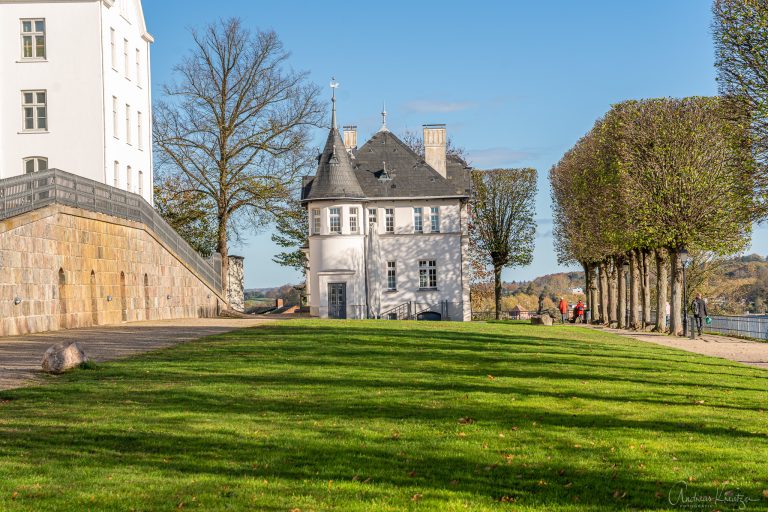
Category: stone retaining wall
<point>62,268</point>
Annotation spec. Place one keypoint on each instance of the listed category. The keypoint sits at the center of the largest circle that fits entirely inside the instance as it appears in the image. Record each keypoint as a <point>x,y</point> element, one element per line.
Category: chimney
<point>350,137</point>
<point>434,147</point>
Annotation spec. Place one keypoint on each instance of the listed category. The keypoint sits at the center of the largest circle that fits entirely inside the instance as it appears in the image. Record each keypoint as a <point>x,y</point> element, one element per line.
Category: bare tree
<point>236,125</point>
<point>502,210</point>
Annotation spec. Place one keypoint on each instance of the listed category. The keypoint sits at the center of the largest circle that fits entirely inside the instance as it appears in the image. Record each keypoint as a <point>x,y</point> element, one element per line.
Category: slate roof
<point>335,178</point>
<point>385,167</point>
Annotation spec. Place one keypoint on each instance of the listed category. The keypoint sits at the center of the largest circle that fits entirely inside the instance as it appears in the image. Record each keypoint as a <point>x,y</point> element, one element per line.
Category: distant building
<point>577,291</point>
<point>75,90</point>
<point>387,228</point>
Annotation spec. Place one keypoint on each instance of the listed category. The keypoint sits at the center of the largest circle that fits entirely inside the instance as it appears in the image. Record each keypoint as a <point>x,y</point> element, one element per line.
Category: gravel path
<point>753,353</point>
<point>21,356</point>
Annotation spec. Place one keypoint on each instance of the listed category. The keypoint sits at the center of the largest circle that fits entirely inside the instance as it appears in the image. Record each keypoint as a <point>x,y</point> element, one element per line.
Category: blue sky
<point>517,82</point>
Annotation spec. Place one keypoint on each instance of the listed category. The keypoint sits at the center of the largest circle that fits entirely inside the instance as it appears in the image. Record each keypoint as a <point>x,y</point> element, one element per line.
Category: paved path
<point>20,356</point>
<point>753,353</point>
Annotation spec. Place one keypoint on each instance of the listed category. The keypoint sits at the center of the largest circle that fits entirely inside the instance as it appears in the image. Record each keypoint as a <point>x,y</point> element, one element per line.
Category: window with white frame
<point>391,275</point>
<point>127,123</point>
<point>141,183</point>
<point>35,110</point>
<point>418,220</point>
<point>427,274</point>
<point>113,47</point>
<point>115,122</point>
<point>138,67</point>
<point>140,129</point>
<point>125,58</point>
<point>334,220</point>
<point>33,39</point>
<point>353,224</point>
<point>117,174</point>
<point>315,221</point>
<point>371,216</point>
<point>35,164</point>
<point>434,217</point>
<point>389,220</point>
<point>129,179</point>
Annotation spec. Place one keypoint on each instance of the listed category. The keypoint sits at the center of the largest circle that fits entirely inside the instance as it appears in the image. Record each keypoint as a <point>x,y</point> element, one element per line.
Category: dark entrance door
<point>337,300</point>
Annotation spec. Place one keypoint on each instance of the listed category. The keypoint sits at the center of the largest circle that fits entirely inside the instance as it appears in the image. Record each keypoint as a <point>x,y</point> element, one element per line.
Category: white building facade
<point>75,90</point>
<point>388,229</point>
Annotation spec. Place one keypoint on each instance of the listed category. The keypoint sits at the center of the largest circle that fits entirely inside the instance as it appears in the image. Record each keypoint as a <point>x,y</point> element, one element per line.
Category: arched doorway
<point>123,300</point>
<point>94,300</point>
<point>146,297</point>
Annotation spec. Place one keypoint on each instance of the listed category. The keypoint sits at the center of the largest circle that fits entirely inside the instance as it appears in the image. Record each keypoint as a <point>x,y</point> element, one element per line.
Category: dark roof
<point>386,167</point>
<point>335,178</point>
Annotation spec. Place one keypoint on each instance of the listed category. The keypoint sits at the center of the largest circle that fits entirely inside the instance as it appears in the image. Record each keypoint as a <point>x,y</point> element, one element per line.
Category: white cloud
<point>437,106</point>
<point>496,157</point>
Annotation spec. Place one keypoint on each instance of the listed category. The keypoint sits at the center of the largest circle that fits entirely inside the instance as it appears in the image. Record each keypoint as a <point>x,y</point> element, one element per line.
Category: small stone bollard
<point>541,320</point>
<point>63,356</point>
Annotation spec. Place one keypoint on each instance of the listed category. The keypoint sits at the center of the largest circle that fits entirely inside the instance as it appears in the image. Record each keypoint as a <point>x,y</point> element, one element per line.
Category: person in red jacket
<point>563,307</point>
<point>579,312</point>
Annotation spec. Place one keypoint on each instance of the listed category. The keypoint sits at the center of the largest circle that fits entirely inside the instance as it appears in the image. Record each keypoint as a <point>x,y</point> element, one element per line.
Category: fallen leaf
<point>466,420</point>
<point>14,495</point>
<point>454,482</point>
<point>619,494</point>
<point>561,472</point>
<point>416,497</point>
<point>462,434</point>
<point>507,499</point>
<point>411,474</point>
<point>567,485</point>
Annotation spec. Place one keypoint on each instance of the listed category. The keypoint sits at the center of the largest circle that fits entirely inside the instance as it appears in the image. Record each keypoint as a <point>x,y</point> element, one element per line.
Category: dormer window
<point>33,39</point>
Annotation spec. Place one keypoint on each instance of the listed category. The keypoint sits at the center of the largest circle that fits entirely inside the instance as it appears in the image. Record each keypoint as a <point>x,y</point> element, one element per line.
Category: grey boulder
<point>542,320</point>
<point>62,357</point>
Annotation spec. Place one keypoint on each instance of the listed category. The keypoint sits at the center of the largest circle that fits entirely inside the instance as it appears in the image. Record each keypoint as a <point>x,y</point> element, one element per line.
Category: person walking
<point>699,308</point>
<point>563,307</point>
<point>579,312</point>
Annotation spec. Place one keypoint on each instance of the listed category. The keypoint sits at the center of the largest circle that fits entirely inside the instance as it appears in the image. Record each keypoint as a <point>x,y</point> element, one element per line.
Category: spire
<point>384,118</point>
<point>334,85</point>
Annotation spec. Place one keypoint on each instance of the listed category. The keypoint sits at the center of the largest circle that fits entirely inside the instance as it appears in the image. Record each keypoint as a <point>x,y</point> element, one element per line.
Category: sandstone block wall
<point>70,268</point>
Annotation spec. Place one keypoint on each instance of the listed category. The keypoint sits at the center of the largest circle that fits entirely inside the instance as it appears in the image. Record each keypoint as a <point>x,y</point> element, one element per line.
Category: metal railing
<point>21,194</point>
<point>746,326</point>
<point>515,314</point>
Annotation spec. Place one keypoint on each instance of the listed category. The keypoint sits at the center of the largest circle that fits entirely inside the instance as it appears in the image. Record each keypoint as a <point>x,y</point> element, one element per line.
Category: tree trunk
<point>676,304</point>
<point>662,284</point>
<point>613,292</point>
<point>621,310</point>
<point>634,283</point>
<point>497,289</point>
<point>604,318</point>
<point>587,283</point>
<point>647,256</point>
<point>223,249</point>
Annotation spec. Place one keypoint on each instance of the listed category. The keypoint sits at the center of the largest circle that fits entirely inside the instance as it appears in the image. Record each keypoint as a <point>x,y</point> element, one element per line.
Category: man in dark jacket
<point>699,308</point>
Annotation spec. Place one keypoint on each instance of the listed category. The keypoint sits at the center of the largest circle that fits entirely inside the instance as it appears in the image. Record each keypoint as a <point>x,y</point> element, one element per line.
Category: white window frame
<point>334,220</point>
<point>128,124</point>
<point>372,216</point>
<point>138,67</point>
<point>113,46</point>
<point>34,34</point>
<point>128,178</point>
<point>115,119</point>
<point>315,221</point>
<point>36,160</point>
<point>140,130</point>
<point>427,274</point>
<point>36,105</point>
<point>434,219</point>
<point>354,225</point>
<point>141,183</point>
<point>117,174</point>
<point>389,220</point>
<point>392,276</point>
<point>127,62</point>
<point>418,219</point>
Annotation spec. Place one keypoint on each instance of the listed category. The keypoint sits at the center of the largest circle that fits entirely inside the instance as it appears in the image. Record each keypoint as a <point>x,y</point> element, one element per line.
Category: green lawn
<point>360,416</point>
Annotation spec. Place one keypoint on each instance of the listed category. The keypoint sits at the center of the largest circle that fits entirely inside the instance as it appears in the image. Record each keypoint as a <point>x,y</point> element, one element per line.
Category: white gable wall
<point>78,78</point>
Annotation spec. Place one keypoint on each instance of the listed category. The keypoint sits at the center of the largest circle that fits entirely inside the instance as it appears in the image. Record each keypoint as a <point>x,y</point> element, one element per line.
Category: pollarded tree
<point>503,228</point>
<point>690,167</point>
<point>236,124</point>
